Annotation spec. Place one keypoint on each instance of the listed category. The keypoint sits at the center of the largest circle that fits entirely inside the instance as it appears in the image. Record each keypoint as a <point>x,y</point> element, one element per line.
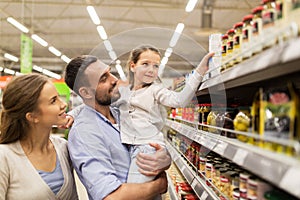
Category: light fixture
<point>102,32</point>
<point>121,72</point>
<point>65,58</point>
<point>168,52</point>
<point>17,24</point>
<point>51,74</point>
<point>37,68</point>
<point>18,73</point>
<point>176,34</point>
<point>39,40</point>
<point>54,51</point>
<point>190,5</point>
<point>11,57</point>
<point>1,69</point>
<point>9,71</point>
<point>107,45</point>
<point>112,55</point>
<point>164,60</point>
<point>93,15</point>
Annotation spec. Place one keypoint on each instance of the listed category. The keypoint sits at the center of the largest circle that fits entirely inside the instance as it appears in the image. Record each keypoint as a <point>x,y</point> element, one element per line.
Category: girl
<point>34,164</point>
<point>141,103</point>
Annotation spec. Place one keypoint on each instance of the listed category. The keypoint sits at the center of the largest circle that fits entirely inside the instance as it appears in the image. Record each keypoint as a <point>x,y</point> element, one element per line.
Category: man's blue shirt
<point>98,155</point>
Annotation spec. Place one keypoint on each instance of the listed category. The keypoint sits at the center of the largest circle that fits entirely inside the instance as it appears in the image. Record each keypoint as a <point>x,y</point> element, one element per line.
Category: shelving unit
<point>198,185</point>
<point>272,67</point>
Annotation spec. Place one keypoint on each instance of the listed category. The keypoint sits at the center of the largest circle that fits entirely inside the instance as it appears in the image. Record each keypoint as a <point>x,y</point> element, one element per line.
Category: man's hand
<point>154,164</point>
<point>69,122</point>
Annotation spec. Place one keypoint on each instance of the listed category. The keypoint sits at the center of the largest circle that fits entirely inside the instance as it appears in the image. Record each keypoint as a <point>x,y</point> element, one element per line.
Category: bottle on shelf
<point>257,23</point>
<point>247,36</point>
<point>238,42</point>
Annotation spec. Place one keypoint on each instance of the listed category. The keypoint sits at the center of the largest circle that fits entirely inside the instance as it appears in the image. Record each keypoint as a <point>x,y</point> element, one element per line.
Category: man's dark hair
<point>74,71</point>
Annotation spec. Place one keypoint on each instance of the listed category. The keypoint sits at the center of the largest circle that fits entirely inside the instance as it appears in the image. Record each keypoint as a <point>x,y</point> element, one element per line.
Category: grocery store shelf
<point>203,191</point>
<point>171,189</point>
<point>276,168</point>
<point>268,64</point>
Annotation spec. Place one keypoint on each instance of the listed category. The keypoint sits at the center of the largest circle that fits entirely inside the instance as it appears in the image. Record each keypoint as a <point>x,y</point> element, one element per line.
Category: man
<point>99,158</point>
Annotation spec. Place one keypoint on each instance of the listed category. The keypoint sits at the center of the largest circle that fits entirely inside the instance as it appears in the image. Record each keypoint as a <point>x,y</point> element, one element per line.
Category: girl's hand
<point>203,66</point>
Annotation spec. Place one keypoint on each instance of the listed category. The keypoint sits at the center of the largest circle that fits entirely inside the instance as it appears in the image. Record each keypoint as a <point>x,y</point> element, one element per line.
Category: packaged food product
<point>241,122</point>
<point>224,52</point>
<point>230,48</point>
<point>269,16</point>
<point>247,36</point>
<point>257,23</point>
<point>279,114</point>
<point>238,42</point>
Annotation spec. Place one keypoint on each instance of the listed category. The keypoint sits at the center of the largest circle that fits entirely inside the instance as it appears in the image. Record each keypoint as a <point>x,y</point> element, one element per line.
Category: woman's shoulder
<point>58,140</point>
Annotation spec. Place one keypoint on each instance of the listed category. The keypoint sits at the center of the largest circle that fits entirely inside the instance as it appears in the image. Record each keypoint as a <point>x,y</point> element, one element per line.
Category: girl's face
<point>146,69</point>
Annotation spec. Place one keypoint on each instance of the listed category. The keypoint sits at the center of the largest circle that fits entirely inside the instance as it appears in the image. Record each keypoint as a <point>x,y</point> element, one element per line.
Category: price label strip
<point>240,156</point>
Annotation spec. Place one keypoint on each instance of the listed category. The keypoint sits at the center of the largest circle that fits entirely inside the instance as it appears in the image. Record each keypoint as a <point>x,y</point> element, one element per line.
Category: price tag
<point>240,156</point>
<point>194,184</point>
<point>290,182</point>
<point>221,147</point>
<point>204,195</point>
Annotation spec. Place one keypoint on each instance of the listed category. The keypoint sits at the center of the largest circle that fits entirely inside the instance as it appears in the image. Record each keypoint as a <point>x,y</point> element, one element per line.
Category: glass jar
<point>224,52</point>
<point>257,30</point>
<point>244,176</point>
<point>247,36</point>
<point>230,48</point>
<point>238,42</point>
<point>205,111</point>
<point>269,16</point>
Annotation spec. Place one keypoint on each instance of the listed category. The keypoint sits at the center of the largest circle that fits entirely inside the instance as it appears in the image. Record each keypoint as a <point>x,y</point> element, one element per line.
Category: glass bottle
<point>247,36</point>
<point>257,29</point>
<point>230,48</point>
<point>238,42</point>
<point>269,16</point>
<point>224,52</point>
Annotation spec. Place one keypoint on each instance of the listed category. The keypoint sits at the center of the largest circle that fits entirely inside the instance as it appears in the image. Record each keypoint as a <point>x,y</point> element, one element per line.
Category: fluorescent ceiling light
<point>65,58</point>
<point>107,45</point>
<point>37,68</point>
<point>168,52</point>
<point>54,51</point>
<point>18,73</point>
<point>176,34</point>
<point>51,74</point>
<point>92,12</point>
<point>39,40</point>
<point>11,57</point>
<point>112,55</point>
<point>102,32</point>
<point>17,24</point>
<point>9,71</point>
<point>190,5</point>
<point>164,60</point>
<point>1,69</point>
<point>121,72</point>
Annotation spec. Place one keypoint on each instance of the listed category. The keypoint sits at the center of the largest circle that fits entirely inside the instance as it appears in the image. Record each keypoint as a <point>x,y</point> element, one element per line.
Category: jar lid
<point>257,9</point>
<point>247,17</point>
<point>230,31</point>
<point>224,37</point>
<point>239,24</point>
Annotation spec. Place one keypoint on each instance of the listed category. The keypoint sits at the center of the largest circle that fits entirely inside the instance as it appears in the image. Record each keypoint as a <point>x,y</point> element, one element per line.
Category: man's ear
<point>30,116</point>
<point>85,92</point>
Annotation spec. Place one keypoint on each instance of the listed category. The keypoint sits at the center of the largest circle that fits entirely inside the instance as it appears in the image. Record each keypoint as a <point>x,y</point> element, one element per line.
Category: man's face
<point>102,83</point>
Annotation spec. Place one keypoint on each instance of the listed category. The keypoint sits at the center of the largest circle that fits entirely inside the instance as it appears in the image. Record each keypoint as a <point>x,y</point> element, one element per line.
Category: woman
<point>34,164</point>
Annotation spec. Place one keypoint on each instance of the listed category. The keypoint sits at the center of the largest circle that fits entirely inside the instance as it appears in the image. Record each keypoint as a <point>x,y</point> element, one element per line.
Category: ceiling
<point>67,26</point>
